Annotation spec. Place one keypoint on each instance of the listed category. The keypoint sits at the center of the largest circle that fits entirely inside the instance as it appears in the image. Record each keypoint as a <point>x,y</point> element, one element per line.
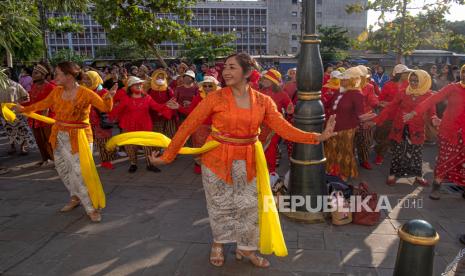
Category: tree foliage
<point>209,46</point>
<point>148,23</point>
<point>18,26</point>
<point>66,55</point>
<point>123,51</point>
<point>333,38</point>
<point>406,32</point>
<point>334,43</point>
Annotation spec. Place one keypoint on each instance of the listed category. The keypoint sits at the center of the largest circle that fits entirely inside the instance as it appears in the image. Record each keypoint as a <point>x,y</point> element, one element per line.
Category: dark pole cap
<point>419,232</point>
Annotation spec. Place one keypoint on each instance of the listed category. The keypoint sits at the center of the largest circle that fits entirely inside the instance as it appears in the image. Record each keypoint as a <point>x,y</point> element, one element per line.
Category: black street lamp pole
<point>307,177</point>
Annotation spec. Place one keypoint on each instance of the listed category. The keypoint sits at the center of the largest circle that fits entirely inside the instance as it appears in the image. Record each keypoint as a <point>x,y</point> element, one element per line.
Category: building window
<point>319,2</point>
<point>294,26</point>
<point>294,13</point>
<point>294,49</point>
<point>294,2</point>
<point>294,37</point>
<point>319,14</point>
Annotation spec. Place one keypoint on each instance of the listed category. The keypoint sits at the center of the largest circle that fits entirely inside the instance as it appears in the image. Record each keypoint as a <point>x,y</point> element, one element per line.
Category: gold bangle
<point>307,162</point>
<point>427,241</point>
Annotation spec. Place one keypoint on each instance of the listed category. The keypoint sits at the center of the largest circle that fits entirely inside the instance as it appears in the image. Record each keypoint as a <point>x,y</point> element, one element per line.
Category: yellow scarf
<point>424,83</point>
<point>271,236</point>
<point>88,169</point>
<point>333,84</point>
<point>95,78</point>
<point>153,82</point>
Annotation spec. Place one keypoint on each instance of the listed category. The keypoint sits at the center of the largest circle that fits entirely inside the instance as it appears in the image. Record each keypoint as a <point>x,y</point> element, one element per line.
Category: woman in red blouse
<point>271,86</point>
<point>162,93</point>
<point>133,114</point>
<point>396,85</point>
<point>209,84</point>
<point>408,137</point>
<point>347,105</point>
<point>451,159</point>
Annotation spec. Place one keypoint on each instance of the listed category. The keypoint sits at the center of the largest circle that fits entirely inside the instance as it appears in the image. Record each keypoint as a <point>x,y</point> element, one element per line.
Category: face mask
<point>137,92</point>
<point>342,89</point>
<point>160,81</point>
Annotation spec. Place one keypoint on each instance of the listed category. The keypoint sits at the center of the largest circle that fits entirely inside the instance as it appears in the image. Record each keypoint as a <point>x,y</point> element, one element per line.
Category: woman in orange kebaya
<point>228,171</point>
<point>71,104</point>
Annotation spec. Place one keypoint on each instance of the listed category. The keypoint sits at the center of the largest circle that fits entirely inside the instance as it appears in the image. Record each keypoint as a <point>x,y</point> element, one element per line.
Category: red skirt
<point>451,161</point>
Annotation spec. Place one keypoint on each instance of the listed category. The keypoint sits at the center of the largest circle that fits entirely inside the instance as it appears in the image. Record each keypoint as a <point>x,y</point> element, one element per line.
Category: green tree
<point>125,50</point>
<point>334,42</point>
<point>209,46</point>
<point>406,31</point>
<point>146,22</point>
<point>66,55</point>
<point>17,25</point>
<point>57,24</point>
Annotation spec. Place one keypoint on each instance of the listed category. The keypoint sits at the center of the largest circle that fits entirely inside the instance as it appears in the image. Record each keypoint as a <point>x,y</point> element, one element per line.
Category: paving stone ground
<point>157,224</point>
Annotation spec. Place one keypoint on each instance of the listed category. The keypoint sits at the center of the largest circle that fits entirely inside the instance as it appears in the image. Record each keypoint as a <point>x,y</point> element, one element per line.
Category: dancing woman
<point>71,103</point>
<point>228,171</point>
<point>450,163</point>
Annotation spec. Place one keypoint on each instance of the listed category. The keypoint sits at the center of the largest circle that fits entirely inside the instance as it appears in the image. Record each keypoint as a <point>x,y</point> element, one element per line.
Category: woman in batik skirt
<point>408,137</point>
<point>450,164</point>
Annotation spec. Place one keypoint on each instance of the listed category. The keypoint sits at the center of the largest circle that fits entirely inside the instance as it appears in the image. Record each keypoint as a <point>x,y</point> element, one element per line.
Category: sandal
<point>256,260</point>
<point>73,203</point>
<point>216,255</point>
<point>95,216</point>
<point>421,181</point>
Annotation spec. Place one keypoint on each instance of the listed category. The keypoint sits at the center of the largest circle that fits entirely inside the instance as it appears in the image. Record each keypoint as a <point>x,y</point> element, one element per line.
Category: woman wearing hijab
<point>347,105</point>
<point>162,93</point>
<point>396,85</point>
<point>450,165</point>
<point>408,137</point>
<point>102,133</point>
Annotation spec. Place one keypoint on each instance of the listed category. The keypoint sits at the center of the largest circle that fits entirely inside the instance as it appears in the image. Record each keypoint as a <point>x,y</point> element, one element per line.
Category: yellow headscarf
<point>424,83</point>
<point>95,78</point>
<point>153,82</point>
<point>333,83</point>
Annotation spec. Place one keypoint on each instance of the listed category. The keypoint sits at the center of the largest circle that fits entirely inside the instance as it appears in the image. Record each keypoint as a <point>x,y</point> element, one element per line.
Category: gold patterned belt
<point>234,140</point>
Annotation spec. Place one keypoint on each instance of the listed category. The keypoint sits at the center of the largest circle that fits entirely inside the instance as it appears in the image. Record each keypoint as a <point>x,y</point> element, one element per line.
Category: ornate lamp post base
<point>307,170</point>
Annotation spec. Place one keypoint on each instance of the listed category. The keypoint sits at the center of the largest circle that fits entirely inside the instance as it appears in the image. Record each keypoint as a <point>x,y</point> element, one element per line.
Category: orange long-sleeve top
<point>76,110</point>
<point>230,119</point>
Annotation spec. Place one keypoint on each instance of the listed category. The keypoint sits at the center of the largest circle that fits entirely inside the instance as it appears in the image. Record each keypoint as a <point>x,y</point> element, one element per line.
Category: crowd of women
<point>236,105</point>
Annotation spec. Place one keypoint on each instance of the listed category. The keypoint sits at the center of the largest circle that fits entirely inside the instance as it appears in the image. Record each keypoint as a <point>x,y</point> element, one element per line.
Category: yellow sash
<point>271,236</point>
<point>88,169</point>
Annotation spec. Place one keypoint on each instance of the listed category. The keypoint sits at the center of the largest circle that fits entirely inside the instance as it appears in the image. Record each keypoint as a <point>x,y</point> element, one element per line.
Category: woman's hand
<point>329,130</point>
<point>112,91</point>
<point>155,160</point>
<point>409,116</point>
<point>18,108</point>
<point>436,121</point>
<point>290,109</point>
<point>172,104</point>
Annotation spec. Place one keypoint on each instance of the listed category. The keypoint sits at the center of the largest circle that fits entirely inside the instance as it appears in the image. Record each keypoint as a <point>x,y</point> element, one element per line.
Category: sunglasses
<point>208,85</point>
